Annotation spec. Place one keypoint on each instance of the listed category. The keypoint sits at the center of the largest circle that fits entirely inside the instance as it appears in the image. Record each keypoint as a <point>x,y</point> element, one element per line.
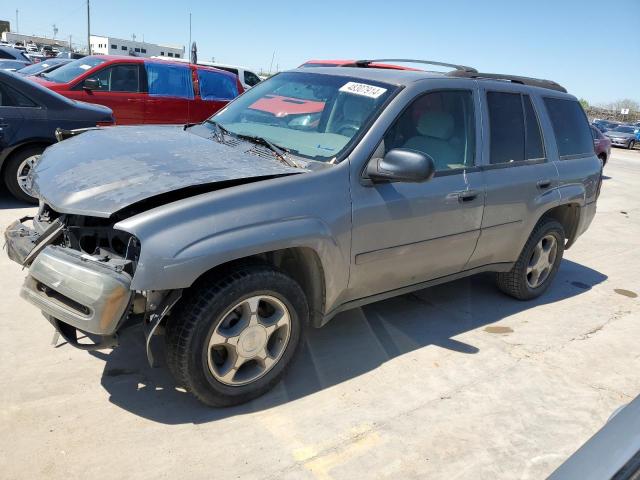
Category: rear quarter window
<point>216,86</point>
<point>570,127</point>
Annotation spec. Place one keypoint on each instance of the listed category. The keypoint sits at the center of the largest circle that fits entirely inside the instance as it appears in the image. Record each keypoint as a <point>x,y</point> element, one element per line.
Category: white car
<point>247,78</point>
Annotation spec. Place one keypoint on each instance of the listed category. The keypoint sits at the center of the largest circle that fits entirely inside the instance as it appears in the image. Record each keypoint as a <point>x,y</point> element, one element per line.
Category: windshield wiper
<point>280,152</point>
<point>220,130</point>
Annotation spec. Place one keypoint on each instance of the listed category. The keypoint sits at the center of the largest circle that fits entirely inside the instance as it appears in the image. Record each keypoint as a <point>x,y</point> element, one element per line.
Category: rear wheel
<point>603,158</point>
<point>538,263</point>
<point>17,170</point>
<point>230,341</point>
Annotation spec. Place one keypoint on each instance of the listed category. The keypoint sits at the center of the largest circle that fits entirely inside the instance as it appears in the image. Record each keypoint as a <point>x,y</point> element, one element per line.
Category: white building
<point>101,45</point>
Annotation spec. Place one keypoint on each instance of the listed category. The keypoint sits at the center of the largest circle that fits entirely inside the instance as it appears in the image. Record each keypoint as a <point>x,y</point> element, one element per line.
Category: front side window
<point>310,115</point>
<point>570,127</point>
<point>72,70</point>
<point>216,85</point>
<point>119,78</point>
<point>439,124</point>
<point>514,128</point>
<point>169,80</point>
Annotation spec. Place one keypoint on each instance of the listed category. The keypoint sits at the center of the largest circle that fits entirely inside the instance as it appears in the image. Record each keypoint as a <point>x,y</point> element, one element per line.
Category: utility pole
<point>189,46</point>
<point>70,48</point>
<point>88,29</point>
<point>17,24</point>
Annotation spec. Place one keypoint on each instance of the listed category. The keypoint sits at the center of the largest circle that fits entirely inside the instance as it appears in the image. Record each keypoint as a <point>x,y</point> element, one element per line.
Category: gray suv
<point>317,191</point>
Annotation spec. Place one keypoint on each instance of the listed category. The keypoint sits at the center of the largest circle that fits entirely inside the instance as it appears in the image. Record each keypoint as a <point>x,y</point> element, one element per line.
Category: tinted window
<point>119,78</point>
<point>440,124</point>
<point>251,78</point>
<point>596,133</point>
<point>506,122</point>
<point>533,138</point>
<point>10,97</point>
<point>216,86</point>
<point>570,127</point>
<point>169,80</point>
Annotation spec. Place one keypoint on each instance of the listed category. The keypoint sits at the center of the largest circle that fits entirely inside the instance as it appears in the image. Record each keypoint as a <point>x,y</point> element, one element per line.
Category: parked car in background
<point>143,90</point>
<point>604,125</point>
<point>233,236</point>
<point>13,59</point>
<point>622,136</point>
<point>48,65</point>
<point>602,145</point>
<point>71,55</point>
<point>29,116</point>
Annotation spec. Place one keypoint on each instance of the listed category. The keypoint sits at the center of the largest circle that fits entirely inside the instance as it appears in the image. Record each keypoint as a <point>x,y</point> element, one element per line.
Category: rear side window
<point>216,86</point>
<point>251,78</point>
<point>515,130</point>
<point>10,97</point>
<point>168,80</point>
<point>570,127</point>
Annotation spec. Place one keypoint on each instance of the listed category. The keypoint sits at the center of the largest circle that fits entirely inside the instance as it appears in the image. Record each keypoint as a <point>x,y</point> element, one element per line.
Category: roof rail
<point>534,82</point>
<point>366,63</point>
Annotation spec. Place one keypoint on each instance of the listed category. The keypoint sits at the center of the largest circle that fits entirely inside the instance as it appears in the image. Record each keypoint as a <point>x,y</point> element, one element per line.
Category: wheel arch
<point>568,215</point>
<point>301,263</point>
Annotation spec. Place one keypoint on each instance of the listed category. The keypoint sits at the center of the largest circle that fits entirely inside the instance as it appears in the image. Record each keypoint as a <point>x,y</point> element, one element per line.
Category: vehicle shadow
<point>7,201</point>
<point>353,343</point>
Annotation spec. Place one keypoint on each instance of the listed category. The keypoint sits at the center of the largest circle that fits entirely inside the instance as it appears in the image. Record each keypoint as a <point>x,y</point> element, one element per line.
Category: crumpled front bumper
<point>69,286</point>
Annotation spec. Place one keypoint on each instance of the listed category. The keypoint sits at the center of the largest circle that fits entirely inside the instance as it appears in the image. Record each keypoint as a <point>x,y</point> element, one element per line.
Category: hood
<point>100,172</point>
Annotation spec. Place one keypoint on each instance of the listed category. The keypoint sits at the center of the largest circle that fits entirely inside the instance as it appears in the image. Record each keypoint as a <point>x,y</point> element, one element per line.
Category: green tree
<point>584,103</point>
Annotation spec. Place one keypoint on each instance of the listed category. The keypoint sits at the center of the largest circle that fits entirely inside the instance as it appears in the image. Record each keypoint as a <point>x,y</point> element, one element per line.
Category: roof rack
<point>459,68</point>
<point>534,82</point>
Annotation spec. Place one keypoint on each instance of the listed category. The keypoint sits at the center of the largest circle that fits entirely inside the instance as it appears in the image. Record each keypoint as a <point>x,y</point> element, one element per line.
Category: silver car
<point>317,191</point>
<point>622,136</point>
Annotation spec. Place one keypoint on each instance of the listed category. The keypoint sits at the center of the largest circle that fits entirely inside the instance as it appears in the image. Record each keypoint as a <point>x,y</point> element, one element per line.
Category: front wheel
<point>632,144</point>
<point>17,170</point>
<point>538,263</point>
<point>230,341</point>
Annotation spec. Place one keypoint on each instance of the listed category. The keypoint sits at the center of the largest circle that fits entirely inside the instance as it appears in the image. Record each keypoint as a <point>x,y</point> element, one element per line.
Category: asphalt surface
<point>456,381</point>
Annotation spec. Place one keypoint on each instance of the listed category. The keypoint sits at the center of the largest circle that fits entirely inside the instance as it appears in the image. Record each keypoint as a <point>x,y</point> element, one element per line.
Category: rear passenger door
<point>171,92</point>
<point>519,176</point>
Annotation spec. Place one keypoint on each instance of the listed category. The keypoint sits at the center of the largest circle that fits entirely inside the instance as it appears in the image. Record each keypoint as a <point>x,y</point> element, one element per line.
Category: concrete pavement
<point>456,381</point>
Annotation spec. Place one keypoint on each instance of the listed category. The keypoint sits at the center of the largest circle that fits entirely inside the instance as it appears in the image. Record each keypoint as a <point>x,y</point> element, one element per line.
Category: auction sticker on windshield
<point>363,89</point>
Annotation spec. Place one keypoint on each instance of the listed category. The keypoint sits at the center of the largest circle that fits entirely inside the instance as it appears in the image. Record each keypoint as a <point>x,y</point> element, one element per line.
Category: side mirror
<point>400,165</point>
<point>91,84</point>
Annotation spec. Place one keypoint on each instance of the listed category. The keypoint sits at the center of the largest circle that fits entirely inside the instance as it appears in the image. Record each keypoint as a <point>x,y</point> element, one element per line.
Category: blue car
<point>29,117</point>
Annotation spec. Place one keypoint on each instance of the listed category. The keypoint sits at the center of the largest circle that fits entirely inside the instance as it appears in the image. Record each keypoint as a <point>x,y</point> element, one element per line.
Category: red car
<point>602,145</point>
<point>142,90</point>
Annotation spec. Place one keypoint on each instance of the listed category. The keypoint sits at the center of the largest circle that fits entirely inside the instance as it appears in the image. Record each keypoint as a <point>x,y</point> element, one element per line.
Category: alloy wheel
<point>24,169</point>
<point>542,261</point>
<point>249,340</point>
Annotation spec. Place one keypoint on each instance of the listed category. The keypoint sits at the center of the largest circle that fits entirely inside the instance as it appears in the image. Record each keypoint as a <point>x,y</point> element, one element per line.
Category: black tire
<point>603,158</point>
<point>201,311</point>
<point>631,145</point>
<point>514,282</point>
<point>11,173</point>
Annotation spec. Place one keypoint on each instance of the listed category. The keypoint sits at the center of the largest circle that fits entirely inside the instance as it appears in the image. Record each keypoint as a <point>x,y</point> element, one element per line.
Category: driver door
<point>408,233</point>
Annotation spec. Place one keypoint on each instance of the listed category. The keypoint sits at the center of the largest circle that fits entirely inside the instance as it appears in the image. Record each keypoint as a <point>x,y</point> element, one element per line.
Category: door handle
<point>544,184</point>
<point>467,195</point>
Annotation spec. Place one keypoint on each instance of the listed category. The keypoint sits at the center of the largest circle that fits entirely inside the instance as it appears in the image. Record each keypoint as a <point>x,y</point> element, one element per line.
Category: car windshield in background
<point>623,129</point>
<point>34,68</point>
<point>313,116</point>
<point>68,72</point>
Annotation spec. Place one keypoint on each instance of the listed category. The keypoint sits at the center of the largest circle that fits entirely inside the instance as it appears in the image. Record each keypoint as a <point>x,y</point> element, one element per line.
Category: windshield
<point>35,68</point>
<point>623,129</point>
<point>311,115</point>
<point>68,72</point>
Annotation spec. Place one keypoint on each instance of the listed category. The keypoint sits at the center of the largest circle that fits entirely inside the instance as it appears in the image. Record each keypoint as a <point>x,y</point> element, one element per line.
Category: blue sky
<point>577,43</point>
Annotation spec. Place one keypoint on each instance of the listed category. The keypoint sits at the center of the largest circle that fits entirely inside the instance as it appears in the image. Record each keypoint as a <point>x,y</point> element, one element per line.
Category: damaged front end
<point>80,273</point>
